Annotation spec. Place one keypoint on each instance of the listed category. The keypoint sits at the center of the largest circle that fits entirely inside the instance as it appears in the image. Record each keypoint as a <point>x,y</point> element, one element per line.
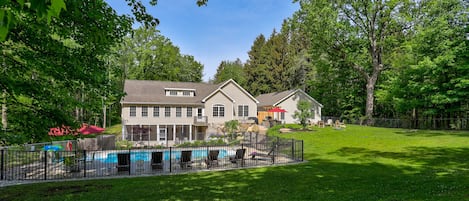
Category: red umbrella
<point>277,109</point>
<point>90,129</point>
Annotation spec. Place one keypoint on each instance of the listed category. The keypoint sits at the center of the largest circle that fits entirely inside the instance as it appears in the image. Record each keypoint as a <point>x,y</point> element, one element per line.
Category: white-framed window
<point>156,111</point>
<point>133,111</point>
<point>243,110</point>
<point>167,111</point>
<point>173,93</point>
<point>282,115</point>
<point>218,110</point>
<point>313,113</point>
<point>186,93</point>
<point>199,112</point>
<point>178,112</point>
<point>144,111</point>
<point>189,112</point>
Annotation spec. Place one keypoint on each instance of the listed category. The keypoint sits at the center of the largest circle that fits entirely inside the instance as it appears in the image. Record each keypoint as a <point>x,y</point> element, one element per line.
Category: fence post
<point>84,163</point>
<point>45,165</point>
<point>170,161</point>
<point>302,150</point>
<point>2,168</point>
<point>293,149</point>
<point>242,160</point>
<point>130,162</point>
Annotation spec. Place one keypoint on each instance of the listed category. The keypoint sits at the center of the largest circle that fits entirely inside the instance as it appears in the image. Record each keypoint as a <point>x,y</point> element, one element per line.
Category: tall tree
<point>231,70</point>
<point>359,34</point>
<point>148,55</point>
<point>256,68</point>
<point>429,78</point>
<point>50,68</point>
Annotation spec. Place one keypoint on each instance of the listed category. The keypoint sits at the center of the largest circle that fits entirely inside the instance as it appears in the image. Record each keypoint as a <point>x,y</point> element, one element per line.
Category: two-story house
<point>161,112</point>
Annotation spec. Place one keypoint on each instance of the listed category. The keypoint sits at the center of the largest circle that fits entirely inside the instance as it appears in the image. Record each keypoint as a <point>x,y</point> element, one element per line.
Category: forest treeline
<point>364,60</point>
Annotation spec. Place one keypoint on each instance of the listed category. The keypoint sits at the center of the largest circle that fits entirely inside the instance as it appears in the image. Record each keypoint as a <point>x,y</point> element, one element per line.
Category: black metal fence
<point>18,164</point>
<point>424,123</point>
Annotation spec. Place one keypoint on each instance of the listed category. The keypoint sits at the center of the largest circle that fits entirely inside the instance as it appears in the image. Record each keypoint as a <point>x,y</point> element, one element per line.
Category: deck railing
<point>200,120</point>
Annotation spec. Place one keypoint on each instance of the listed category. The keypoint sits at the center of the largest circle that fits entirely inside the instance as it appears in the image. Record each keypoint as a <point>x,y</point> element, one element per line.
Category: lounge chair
<point>212,158</point>
<point>239,157</point>
<point>186,159</point>
<point>262,156</point>
<point>123,162</point>
<point>157,160</point>
<point>330,123</point>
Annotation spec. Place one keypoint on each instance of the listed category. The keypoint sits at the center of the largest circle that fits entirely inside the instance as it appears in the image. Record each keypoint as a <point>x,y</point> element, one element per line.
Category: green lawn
<point>358,163</point>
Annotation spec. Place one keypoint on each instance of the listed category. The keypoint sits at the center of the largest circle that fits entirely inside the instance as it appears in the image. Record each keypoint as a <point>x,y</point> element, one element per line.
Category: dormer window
<point>179,92</point>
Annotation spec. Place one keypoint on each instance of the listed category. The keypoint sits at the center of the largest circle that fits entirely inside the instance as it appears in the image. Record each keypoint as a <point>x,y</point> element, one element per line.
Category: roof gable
<point>150,91</point>
<point>220,88</point>
<point>275,98</point>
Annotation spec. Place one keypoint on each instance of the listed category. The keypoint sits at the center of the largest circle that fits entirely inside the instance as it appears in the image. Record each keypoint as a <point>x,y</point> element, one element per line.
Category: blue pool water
<point>146,155</point>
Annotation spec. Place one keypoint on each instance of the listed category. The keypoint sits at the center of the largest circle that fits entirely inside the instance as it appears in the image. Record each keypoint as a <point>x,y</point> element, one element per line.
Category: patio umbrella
<point>90,129</point>
<point>277,110</point>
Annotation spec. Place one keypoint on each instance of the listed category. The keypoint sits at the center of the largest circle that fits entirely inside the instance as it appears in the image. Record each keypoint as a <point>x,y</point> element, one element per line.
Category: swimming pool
<point>146,155</point>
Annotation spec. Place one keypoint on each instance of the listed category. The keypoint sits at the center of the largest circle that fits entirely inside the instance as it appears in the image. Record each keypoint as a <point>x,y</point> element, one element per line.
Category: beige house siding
<point>219,98</point>
<point>241,98</point>
<point>150,119</point>
<point>290,105</point>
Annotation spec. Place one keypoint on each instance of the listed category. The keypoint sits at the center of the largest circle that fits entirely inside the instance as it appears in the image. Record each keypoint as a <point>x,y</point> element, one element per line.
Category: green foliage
<point>148,55</point>
<point>427,80</point>
<point>267,68</point>
<point>124,144</point>
<point>231,70</point>
<point>303,112</point>
<point>9,12</point>
<point>54,73</point>
<point>231,127</point>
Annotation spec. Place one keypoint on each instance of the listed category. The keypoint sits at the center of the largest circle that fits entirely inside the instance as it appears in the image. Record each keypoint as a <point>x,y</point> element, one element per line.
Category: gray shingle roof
<point>149,91</point>
<point>272,98</point>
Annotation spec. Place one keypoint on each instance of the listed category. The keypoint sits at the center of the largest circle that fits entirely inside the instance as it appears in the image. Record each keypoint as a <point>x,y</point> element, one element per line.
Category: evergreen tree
<point>256,68</point>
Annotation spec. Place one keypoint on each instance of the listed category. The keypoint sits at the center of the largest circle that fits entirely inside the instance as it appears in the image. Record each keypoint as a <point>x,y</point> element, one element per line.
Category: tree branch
<point>361,70</point>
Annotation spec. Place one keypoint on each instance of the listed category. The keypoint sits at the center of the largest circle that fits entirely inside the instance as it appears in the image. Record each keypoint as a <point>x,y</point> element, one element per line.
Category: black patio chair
<point>186,159</point>
<point>239,157</point>
<point>123,162</point>
<point>212,158</point>
<point>157,160</point>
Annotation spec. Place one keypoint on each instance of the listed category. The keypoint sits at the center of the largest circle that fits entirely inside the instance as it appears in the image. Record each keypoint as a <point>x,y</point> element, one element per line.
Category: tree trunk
<point>4,111</point>
<point>104,112</point>
<point>370,92</point>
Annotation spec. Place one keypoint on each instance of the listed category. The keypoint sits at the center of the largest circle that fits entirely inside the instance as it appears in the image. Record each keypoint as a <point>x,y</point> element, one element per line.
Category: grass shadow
<point>431,133</point>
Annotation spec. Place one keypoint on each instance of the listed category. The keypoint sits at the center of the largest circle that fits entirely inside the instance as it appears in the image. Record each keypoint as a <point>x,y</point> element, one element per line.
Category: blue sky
<point>222,30</point>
